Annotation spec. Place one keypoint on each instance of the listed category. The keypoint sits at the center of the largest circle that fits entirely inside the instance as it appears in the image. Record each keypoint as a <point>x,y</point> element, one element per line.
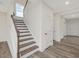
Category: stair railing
<point>25,4</point>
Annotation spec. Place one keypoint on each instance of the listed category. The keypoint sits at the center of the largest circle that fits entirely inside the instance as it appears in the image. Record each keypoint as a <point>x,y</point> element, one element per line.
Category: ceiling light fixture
<point>67,2</point>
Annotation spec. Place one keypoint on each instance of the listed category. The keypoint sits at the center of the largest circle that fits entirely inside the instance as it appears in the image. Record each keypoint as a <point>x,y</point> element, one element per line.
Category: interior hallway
<point>43,21</point>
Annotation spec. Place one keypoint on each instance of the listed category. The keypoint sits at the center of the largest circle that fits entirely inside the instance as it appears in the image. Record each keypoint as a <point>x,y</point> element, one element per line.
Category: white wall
<point>33,20</point>
<point>47,27</point>
<point>3,27</point>
<point>60,27</point>
<point>73,27</point>
<point>7,32</point>
<point>38,18</point>
<point>7,6</point>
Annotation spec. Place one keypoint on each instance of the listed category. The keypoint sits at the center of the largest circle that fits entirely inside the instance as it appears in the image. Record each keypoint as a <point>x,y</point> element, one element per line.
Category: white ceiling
<point>4,5</point>
<point>68,11</point>
<point>5,2</point>
<point>58,6</point>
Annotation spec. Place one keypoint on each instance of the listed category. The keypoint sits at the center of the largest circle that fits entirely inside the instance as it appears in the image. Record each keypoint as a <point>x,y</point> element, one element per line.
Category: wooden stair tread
<point>26,44</point>
<point>26,39</point>
<point>28,50</point>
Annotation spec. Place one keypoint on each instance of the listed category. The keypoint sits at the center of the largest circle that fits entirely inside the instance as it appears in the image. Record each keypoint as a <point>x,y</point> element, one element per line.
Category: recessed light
<point>67,2</point>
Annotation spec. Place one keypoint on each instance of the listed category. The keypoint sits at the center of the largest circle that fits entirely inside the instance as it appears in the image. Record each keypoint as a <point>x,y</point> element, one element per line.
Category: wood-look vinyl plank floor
<point>4,50</point>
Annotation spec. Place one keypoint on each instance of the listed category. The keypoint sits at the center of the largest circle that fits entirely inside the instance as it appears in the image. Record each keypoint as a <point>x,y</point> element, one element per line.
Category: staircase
<point>67,48</point>
<point>25,42</point>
